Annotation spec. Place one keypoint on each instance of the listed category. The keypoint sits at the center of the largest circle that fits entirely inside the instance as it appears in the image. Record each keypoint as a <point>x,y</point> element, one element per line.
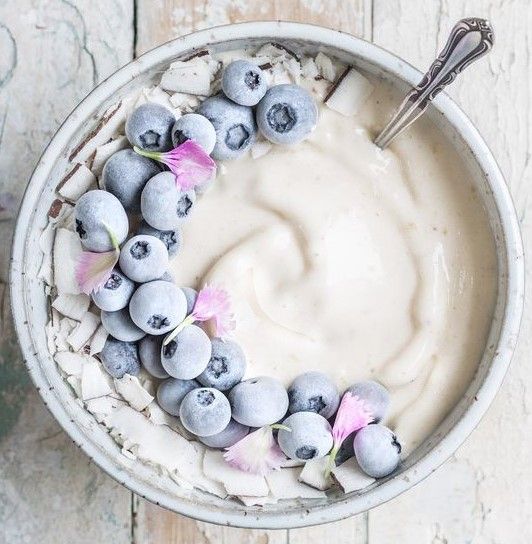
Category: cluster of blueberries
<point>202,377</point>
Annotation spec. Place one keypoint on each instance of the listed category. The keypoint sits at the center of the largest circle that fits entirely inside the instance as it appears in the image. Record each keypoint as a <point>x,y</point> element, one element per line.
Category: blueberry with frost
<point>375,395</point>
<point>243,82</point>
<point>187,354</point>
<point>172,391</point>
<point>193,126</point>
<point>287,114</point>
<point>124,175</point>
<point>157,307</point>
<point>172,239</point>
<point>115,293</point>
<point>191,295</point>
<point>307,436</point>
<point>258,401</point>
<point>228,437</point>
<point>119,358</point>
<point>149,127</point>
<point>150,356</point>
<point>234,124</point>
<point>143,258</point>
<point>205,411</point>
<point>226,366</point>
<point>313,392</point>
<point>96,214</point>
<point>120,325</point>
<point>377,450</point>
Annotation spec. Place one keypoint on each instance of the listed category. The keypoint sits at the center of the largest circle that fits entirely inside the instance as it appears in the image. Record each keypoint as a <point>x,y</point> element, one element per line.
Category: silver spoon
<point>469,40</point>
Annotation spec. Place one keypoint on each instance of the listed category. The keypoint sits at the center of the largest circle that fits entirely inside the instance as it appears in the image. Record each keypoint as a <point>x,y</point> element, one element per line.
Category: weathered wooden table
<point>52,52</point>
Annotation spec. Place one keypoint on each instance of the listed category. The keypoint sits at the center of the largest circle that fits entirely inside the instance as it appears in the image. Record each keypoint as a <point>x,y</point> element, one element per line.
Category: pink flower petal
<point>94,269</point>
<point>214,303</point>
<point>188,162</point>
<point>258,453</point>
<point>352,415</point>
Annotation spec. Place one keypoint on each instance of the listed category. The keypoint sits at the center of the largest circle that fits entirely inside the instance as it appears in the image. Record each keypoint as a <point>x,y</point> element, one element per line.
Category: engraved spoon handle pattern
<point>469,40</point>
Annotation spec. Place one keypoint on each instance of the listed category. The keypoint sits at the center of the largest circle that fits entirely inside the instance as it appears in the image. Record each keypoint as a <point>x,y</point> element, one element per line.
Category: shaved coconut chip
<point>50,331</point>
<point>192,77</point>
<point>94,382</point>
<point>98,339</point>
<point>284,484</point>
<point>77,182</point>
<point>235,482</point>
<point>294,69</point>
<point>102,406</point>
<point>157,415</point>
<point>293,463</point>
<point>46,241</point>
<point>67,250</point>
<point>349,93</point>
<point>350,476</point>
<point>133,392</point>
<point>260,149</point>
<point>257,501</point>
<point>155,95</point>
<point>325,67</point>
<point>180,481</point>
<point>280,75</point>
<point>81,334</point>
<point>74,306</point>
<point>65,327</point>
<point>128,454</point>
<point>196,476</point>
<point>104,152</point>
<point>178,99</point>
<point>75,383</point>
<point>313,474</point>
<point>70,363</point>
<point>273,53</point>
<point>309,70</point>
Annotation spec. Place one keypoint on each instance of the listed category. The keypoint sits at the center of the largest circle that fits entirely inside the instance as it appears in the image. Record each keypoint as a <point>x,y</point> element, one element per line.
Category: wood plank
<point>53,53</point>
<point>482,494</point>
<point>159,21</point>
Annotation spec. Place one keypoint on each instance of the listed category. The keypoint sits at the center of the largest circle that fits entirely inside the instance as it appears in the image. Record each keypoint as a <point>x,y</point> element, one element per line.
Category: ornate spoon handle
<point>469,40</point>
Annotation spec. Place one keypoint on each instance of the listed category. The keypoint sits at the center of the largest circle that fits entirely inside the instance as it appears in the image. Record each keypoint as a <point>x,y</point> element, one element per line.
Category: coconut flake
<point>309,70</point>
<point>73,306</point>
<point>67,251</point>
<point>94,382</point>
<point>350,476</point>
<point>314,474</point>
<point>77,182</point>
<point>257,501</point>
<point>85,329</point>
<point>284,484</point>
<point>75,383</point>
<point>70,363</point>
<point>325,66</point>
<point>349,93</point>
<point>104,152</point>
<point>133,392</point>
<point>97,342</point>
<point>192,77</point>
<point>101,407</point>
<point>234,481</point>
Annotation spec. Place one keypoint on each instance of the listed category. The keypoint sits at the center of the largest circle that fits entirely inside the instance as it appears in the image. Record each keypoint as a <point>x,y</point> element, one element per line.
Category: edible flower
<point>352,415</point>
<point>188,162</point>
<point>94,269</point>
<point>211,303</point>
<point>257,452</point>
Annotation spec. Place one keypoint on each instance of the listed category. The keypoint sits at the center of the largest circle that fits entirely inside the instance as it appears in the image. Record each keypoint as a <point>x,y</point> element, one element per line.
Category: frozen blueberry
<point>93,212</point>
<point>150,127</point>
<point>167,277</point>
<point>158,307</point>
<point>234,124</point>
<point>287,114</point>
<point>164,206</point>
<point>377,450</point>
<point>143,258</point>
<point>172,239</point>
<point>205,411</point>
<point>124,175</point>
<point>375,395</point>
<point>150,356</point>
<point>230,435</point>
<point>243,82</point>
<point>313,392</point>
<point>187,355</point>
<point>193,126</point>
<point>258,401</point>
<point>191,295</point>
<point>115,293</point>
<point>310,436</point>
<point>226,366</point>
<point>120,325</point>
<point>120,358</point>
<point>171,392</point>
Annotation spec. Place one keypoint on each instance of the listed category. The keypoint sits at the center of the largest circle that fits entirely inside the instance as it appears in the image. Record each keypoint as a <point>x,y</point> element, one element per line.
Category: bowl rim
<point>513,253</point>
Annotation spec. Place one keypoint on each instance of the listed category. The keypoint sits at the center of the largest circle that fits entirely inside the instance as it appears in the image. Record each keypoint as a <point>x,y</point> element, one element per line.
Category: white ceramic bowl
<point>30,303</point>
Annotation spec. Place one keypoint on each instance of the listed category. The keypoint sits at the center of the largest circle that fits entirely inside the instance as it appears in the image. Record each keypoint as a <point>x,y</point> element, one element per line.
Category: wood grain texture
<point>53,52</point>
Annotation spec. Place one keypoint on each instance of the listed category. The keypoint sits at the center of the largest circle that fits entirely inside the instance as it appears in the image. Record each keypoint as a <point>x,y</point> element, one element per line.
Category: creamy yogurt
<point>354,261</point>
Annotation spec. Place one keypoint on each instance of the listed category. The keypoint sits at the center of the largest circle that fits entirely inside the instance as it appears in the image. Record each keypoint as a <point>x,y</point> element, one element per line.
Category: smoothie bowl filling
<point>249,295</point>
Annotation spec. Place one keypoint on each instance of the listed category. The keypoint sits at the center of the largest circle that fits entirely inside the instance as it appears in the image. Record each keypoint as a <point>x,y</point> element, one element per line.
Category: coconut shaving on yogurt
<point>302,238</point>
